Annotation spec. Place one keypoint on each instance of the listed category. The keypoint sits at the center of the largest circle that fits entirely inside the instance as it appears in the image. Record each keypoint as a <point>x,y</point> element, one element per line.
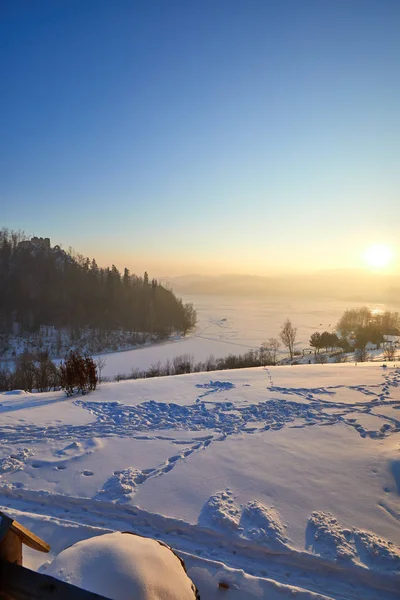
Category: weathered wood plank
<point>27,537</point>
<point>19,583</point>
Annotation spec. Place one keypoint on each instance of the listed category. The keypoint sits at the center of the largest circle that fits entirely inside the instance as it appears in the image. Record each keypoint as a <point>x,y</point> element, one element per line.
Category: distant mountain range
<point>346,284</point>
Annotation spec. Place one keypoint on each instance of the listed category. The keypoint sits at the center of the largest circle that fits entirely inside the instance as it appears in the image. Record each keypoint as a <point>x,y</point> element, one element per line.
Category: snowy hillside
<point>278,483</point>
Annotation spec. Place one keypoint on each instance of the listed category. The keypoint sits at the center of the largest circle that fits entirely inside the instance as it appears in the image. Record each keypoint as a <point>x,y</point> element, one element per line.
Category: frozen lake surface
<point>232,325</point>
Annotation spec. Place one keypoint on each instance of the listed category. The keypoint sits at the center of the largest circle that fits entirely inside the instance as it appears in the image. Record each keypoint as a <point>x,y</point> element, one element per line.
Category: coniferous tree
<point>41,285</point>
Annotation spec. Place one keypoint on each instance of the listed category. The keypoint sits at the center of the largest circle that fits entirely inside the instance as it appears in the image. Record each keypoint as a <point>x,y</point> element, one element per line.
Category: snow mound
<point>70,448</point>
<point>124,565</point>
<point>263,525</point>
<point>77,449</point>
<point>255,521</point>
<point>220,512</point>
<point>121,485</point>
<point>377,553</point>
<point>326,537</point>
<point>16,393</point>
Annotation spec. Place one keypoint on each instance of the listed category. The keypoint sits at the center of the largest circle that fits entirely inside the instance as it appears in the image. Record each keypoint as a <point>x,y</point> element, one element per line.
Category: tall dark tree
<point>315,342</point>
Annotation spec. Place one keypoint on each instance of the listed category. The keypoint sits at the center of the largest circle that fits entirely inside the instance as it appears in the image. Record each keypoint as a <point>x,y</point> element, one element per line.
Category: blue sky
<point>202,136</point>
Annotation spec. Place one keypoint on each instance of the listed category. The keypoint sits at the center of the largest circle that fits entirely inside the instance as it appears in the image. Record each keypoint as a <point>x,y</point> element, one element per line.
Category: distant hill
<point>351,284</point>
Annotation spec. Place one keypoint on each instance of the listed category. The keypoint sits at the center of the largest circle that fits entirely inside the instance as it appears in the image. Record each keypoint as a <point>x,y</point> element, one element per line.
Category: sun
<point>378,256</point>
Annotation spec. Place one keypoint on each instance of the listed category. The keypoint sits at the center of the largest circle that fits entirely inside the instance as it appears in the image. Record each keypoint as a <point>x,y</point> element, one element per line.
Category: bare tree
<point>155,370</point>
<point>100,364</point>
<point>269,351</point>
<point>288,336</point>
<point>167,369</point>
<point>320,359</point>
<point>361,354</point>
<point>273,346</point>
<point>183,364</point>
<point>389,353</point>
<point>210,363</point>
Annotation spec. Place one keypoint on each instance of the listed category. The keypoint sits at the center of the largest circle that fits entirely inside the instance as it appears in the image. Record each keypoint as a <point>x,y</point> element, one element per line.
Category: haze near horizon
<point>230,137</point>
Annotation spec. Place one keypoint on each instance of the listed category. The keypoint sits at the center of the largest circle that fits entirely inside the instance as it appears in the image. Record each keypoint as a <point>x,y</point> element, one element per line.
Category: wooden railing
<point>20,583</point>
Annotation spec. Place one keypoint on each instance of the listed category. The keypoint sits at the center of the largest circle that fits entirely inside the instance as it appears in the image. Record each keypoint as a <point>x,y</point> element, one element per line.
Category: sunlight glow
<point>378,256</point>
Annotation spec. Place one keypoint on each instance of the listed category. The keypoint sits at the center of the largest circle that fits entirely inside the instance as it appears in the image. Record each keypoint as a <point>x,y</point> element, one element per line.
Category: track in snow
<point>287,566</point>
<point>309,407</point>
<point>216,418</point>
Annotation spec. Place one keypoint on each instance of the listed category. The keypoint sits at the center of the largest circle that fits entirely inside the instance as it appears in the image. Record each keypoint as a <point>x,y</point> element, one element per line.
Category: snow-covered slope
<point>274,482</point>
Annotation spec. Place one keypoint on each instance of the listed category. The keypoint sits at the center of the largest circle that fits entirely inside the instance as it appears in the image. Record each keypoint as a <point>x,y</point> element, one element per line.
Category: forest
<point>42,286</point>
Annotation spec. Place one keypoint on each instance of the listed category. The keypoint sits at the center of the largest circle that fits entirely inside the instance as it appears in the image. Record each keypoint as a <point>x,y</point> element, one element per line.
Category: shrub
<point>183,364</point>
<point>78,373</point>
<point>339,357</point>
<point>389,353</point>
<point>321,359</point>
<point>361,355</point>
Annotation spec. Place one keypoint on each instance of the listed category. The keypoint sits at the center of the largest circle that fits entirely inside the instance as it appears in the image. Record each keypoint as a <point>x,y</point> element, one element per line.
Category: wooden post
<point>12,536</point>
<point>11,548</point>
<point>19,583</point>
<point>10,542</point>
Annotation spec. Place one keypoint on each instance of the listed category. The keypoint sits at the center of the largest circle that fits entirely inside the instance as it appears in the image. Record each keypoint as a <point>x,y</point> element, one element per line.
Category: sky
<point>212,136</point>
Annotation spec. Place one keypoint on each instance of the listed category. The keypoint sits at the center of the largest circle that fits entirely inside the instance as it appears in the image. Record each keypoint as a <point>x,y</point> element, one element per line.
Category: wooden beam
<point>28,538</point>
<point>19,583</point>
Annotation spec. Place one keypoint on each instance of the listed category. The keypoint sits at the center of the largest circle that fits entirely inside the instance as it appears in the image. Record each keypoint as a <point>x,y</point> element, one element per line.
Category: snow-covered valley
<point>280,482</point>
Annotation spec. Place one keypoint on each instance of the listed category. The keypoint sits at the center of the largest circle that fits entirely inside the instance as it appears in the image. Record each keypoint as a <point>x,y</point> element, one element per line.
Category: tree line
<point>185,363</point>
<point>41,285</point>
<point>355,329</point>
<point>77,373</point>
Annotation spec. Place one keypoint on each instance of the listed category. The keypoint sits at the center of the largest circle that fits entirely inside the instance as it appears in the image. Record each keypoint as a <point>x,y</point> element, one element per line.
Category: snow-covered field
<point>281,482</point>
<point>234,326</point>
